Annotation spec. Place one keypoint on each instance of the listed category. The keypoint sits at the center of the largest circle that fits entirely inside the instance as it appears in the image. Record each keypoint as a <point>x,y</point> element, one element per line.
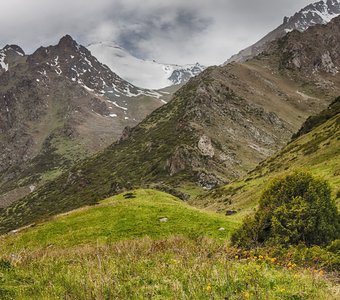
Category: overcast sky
<point>169,31</point>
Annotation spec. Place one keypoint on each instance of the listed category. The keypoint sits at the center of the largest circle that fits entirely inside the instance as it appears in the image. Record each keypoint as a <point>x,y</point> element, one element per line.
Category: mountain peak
<point>67,42</point>
<point>9,55</point>
<point>14,48</point>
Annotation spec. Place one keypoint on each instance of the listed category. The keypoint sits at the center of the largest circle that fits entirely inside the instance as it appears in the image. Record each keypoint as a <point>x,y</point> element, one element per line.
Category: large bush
<point>294,209</point>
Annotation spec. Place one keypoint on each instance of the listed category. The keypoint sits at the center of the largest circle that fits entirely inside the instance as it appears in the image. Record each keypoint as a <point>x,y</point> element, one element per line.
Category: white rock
<point>205,146</point>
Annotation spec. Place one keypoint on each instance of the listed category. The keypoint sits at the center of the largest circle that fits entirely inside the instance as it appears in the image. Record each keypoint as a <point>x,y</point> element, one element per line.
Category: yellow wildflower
<point>260,257</point>
<point>209,287</point>
<point>321,272</point>
<point>236,256</point>
<point>246,295</point>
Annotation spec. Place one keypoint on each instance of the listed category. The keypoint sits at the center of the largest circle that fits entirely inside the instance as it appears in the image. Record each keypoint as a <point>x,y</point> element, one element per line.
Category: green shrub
<point>294,209</point>
<point>334,247</point>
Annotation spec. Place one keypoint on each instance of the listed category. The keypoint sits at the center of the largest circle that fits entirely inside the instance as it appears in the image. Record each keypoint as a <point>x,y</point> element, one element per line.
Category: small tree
<point>294,209</point>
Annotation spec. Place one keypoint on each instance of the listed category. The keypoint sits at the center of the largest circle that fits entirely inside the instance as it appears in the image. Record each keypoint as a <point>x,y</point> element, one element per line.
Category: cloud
<point>174,31</point>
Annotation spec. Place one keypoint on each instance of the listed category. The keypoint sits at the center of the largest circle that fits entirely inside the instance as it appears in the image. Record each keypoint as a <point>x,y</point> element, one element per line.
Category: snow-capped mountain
<point>143,73</point>
<point>317,13</point>
<point>76,63</point>
<point>320,12</point>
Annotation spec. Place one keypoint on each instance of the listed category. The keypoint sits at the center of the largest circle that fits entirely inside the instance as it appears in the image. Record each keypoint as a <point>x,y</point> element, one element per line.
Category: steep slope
<point>142,73</point>
<point>317,13</point>
<point>56,106</point>
<point>217,127</point>
<point>315,148</point>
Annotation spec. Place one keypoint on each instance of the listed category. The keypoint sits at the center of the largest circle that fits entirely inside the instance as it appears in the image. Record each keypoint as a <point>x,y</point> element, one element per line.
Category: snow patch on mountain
<point>3,65</point>
<point>142,73</point>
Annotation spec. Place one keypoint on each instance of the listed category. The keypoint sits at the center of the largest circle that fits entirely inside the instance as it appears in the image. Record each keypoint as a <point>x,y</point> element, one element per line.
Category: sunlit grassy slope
<point>121,217</point>
<point>120,249</point>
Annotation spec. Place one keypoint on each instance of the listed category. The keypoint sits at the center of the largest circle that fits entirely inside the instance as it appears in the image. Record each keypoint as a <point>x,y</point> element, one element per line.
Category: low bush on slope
<point>293,209</point>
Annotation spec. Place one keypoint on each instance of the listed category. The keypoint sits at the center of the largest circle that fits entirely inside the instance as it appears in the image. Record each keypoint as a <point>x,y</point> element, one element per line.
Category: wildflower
<point>209,287</point>
<point>260,257</point>
<point>246,295</point>
<point>321,272</point>
<point>273,260</point>
<point>236,256</point>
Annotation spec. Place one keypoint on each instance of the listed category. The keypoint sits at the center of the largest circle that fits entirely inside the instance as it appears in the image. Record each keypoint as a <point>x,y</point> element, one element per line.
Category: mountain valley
<point>218,127</point>
<point>125,178</point>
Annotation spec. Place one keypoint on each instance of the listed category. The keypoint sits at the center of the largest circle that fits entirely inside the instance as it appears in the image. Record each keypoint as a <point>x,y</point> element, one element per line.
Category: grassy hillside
<point>317,151</point>
<point>119,249</point>
<point>126,216</point>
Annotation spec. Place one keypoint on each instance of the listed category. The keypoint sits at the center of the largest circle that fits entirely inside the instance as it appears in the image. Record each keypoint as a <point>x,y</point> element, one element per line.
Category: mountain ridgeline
<point>216,128</point>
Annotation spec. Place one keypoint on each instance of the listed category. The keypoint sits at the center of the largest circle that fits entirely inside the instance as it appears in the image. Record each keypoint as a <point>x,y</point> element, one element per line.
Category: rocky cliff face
<point>312,52</point>
<point>320,12</point>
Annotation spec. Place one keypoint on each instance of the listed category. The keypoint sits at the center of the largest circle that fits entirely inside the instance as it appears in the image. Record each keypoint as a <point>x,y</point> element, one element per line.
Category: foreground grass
<point>173,268</point>
<point>119,249</point>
